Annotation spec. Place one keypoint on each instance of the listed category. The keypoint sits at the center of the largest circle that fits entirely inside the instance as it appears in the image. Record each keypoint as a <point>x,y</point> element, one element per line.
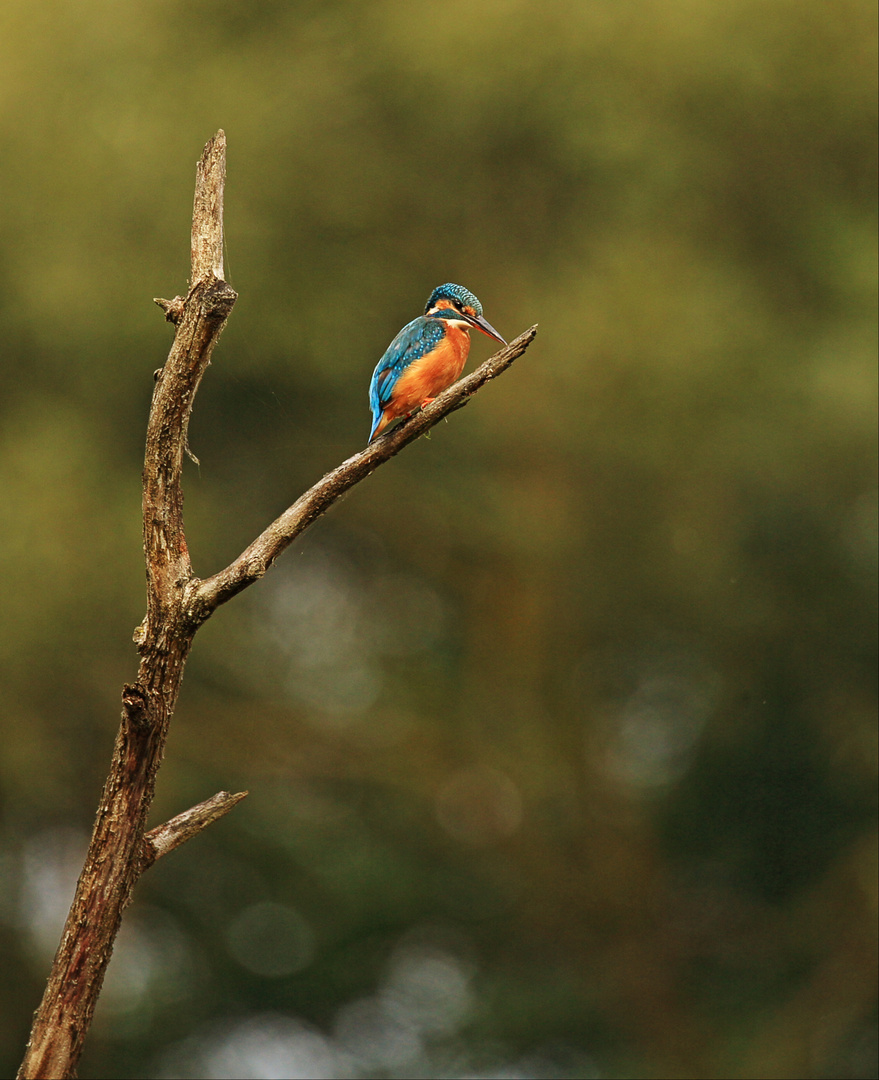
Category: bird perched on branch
<point>426,356</point>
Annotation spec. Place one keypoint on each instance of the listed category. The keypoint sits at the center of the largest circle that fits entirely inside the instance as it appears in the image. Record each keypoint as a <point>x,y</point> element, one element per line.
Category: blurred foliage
<point>560,729</point>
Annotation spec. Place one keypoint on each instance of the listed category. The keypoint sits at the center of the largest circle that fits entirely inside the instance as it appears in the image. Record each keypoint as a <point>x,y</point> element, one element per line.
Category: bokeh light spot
<point>479,806</point>
<point>271,940</point>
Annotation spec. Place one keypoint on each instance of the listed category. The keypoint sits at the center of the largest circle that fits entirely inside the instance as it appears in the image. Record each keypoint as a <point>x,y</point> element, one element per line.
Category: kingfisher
<point>426,356</point>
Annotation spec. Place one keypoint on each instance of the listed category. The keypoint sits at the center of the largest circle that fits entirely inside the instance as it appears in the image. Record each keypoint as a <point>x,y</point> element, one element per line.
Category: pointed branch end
<point>526,337</point>
<point>215,144</point>
<point>159,841</point>
<point>207,214</point>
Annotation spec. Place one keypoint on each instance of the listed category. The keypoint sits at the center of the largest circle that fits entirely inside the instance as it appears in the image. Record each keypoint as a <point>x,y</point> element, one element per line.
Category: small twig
<point>159,841</point>
<point>173,308</point>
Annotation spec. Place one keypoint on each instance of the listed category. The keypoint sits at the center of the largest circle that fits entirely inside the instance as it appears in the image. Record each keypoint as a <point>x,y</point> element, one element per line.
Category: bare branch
<point>200,320</point>
<point>253,562</point>
<point>117,853</point>
<point>159,841</point>
<point>207,211</point>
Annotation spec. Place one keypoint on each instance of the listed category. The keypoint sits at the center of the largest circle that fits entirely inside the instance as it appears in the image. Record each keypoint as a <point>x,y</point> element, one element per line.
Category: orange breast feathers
<point>429,375</point>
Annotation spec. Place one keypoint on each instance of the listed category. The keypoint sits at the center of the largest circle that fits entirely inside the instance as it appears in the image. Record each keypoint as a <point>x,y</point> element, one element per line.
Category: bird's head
<point>458,305</point>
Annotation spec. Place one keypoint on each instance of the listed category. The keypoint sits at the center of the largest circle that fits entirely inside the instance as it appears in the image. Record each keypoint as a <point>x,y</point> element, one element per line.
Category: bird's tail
<point>378,426</point>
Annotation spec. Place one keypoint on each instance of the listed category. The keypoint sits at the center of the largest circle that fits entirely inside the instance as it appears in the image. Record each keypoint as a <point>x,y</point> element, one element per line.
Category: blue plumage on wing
<point>416,339</point>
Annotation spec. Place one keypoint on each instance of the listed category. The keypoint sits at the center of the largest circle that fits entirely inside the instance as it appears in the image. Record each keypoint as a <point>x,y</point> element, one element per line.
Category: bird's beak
<point>485,326</point>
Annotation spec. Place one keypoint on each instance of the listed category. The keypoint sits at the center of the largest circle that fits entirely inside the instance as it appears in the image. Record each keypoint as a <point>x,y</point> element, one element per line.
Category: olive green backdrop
<point>560,729</point>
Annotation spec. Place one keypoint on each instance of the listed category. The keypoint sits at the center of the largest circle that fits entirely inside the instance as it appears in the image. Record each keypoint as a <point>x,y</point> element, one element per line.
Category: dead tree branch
<point>117,854</point>
<point>177,604</point>
<point>159,841</point>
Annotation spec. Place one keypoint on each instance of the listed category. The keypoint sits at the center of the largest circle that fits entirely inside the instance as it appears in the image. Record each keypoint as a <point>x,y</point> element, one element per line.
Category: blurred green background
<point>560,729</point>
